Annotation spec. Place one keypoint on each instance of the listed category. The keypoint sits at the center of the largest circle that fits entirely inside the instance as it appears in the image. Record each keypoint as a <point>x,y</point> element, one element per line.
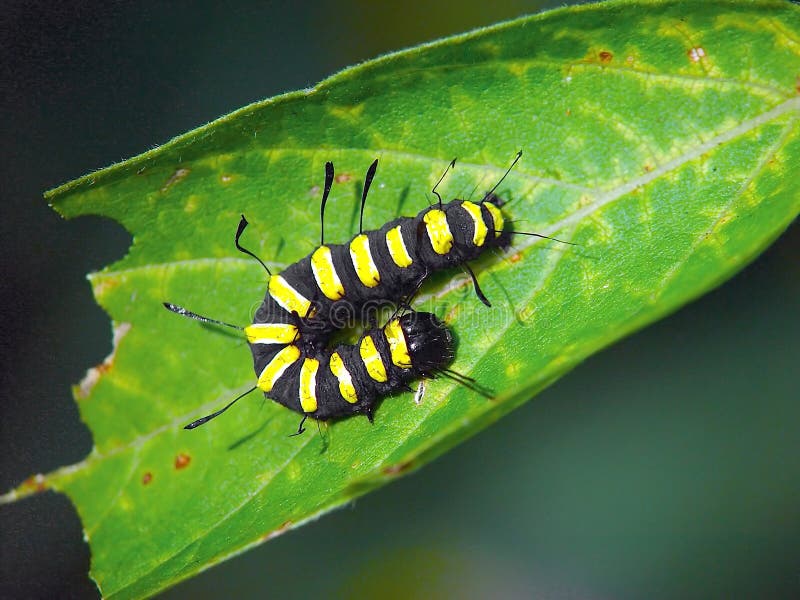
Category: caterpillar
<point>350,378</point>
<point>322,292</point>
<point>331,286</point>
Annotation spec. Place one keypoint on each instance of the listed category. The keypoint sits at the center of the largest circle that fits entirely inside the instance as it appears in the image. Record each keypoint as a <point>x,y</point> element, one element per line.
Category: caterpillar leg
<point>300,428</point>
<point>478,291</point>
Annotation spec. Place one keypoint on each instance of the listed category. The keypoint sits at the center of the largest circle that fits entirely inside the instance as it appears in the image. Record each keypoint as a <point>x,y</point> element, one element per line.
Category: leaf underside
<point>659,139</point>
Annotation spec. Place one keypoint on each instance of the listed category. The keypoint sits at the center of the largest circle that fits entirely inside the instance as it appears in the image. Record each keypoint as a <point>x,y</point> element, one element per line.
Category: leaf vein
<point>135,462</point>
<point>725,211</point>
<point>611,195</point>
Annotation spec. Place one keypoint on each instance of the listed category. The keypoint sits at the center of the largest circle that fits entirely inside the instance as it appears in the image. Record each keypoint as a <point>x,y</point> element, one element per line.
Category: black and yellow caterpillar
<point>349,379</point>
<point>352,378</point>
<point>330,288</point>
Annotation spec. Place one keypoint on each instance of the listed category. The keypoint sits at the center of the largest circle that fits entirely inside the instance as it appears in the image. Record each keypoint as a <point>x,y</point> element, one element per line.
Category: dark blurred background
<point>667,466</point>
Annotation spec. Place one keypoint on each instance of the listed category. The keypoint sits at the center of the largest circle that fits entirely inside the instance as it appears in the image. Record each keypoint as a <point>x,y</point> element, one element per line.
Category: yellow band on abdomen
<point>497,217</point>
<point>308,385</point>
<point>438,231</point>
<point>276,367</point>
<point>288,297</point>
<point>397,248</point>
<point>372,359</point>
<point>363,263</point>
<point>270,333</point>
<point>324,272</point>
<point>346,387</point>
<point>479,227</point>
<point>397,344</point>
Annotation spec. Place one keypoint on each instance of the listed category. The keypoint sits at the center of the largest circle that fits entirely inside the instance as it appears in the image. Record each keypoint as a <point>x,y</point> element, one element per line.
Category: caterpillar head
<point>430,343</point>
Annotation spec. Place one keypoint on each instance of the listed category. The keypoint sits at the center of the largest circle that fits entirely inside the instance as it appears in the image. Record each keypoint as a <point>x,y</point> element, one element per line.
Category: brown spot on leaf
<point>147,478</point>
<point>35,483</point>
<point>452,314</point>
<point>343,177</point>
<point>605,56</point>
<point>696,54</point>
<point>398,469</point>
<point>104,367</point>
<point>647,168</point>
<point>276,532</point>
<point>182,461</point>
<point>84,388</point>
<point>104,284</point>
<point>569,112</point>
<point>515,258</point>
<point>178,176</point>
<point>797,84</point>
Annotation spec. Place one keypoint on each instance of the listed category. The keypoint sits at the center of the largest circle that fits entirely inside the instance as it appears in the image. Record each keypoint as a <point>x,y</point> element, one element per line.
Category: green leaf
<point>660,137</point>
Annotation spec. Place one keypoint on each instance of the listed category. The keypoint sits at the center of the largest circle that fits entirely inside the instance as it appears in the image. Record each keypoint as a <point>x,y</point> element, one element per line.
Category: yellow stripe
<point>308,385</point>
<point>288,297</point>
<point>372,359</point>
<point>397,344</point>
<point>325,273</point>
<point>275,368</point>
<point>362,261</point>
<point>480,229</point>
<point>397,248</point>
<point>497,217</point>
<point>346,387</point>
<point>438,231</point>
<point>270,333</point>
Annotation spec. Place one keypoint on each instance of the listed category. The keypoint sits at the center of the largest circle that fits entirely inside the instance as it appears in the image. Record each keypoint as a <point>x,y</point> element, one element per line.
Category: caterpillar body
<point>330,288</point>
<point>352,378</point>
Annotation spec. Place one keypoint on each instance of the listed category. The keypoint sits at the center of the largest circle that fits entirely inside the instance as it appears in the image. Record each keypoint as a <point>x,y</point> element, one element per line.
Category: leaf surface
<point>659,137</point>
